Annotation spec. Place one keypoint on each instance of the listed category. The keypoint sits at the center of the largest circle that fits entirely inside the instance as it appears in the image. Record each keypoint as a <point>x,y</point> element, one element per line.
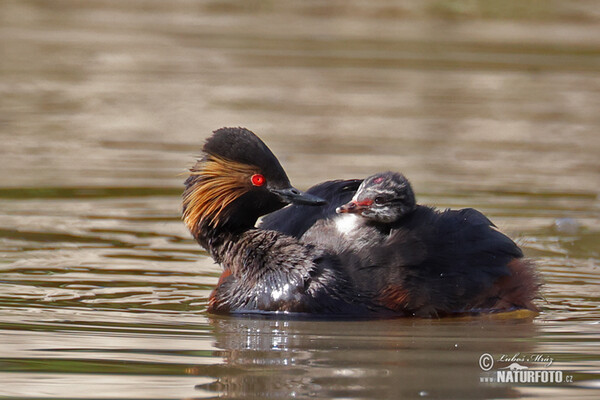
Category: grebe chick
<point>379,200</point>
<point>383,198</point>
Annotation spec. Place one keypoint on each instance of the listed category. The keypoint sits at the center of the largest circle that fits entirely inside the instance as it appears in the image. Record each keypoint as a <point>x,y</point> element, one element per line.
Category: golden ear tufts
<point>220,182</point>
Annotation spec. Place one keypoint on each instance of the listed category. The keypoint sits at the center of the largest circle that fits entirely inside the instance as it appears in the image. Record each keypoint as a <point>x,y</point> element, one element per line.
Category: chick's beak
<point>353,207</point>
<point>293,195</point>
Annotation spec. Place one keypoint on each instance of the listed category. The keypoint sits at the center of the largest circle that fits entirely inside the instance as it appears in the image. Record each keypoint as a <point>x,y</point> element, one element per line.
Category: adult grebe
<point>237,180</point>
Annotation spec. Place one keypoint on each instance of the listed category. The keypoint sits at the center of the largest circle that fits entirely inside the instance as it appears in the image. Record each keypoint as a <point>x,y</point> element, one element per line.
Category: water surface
<point>103,106</point>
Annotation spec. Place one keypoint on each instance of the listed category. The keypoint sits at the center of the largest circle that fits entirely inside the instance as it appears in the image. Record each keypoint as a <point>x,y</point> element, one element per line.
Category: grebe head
<point>383,197</point>
<point>237,180</point>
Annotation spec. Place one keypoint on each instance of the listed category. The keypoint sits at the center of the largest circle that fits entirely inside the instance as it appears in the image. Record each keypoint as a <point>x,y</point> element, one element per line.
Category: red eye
<point>258,180</point>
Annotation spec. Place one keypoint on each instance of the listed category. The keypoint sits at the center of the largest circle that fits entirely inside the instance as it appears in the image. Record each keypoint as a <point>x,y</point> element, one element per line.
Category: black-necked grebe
<point>426,263</point>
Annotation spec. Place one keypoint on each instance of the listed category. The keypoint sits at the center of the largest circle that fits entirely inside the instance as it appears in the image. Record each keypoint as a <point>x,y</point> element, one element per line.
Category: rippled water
<point>103,106</point>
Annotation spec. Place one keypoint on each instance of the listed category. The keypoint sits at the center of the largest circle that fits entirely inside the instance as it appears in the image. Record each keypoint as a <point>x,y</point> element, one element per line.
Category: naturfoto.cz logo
<point>516,372</point>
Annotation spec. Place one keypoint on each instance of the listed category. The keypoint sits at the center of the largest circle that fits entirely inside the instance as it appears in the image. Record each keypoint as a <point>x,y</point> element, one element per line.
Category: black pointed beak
<point>293,195</point>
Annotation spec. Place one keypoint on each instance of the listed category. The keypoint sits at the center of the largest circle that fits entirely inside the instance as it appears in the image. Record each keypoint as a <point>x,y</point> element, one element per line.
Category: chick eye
<point>379,200</point>
<point>258,180</point>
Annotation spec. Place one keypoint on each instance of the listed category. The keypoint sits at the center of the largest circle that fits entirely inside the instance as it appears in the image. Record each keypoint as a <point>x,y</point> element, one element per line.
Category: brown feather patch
<point>515,291</point>
<point>394,297</point>
<point>220,182</point>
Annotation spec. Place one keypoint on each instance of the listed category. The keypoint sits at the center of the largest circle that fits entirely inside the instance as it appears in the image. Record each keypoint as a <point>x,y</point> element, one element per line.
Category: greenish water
<point>104,104</point>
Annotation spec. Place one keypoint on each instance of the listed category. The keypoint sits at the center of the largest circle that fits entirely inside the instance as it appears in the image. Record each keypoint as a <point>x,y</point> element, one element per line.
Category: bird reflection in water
<point>267,358</point>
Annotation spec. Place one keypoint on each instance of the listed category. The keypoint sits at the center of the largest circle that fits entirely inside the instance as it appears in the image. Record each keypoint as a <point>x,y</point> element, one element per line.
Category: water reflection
<point>375,359</point>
